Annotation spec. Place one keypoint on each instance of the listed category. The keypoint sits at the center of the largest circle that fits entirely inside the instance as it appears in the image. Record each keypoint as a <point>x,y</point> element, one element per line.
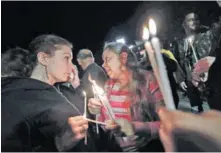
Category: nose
<point>70,68</point>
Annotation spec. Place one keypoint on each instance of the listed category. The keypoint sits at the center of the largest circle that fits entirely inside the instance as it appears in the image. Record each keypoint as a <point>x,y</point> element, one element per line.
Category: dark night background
<point>90,24</point>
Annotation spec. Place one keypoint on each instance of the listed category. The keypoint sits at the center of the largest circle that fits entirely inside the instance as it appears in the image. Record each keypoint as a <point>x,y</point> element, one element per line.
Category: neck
<point>190,32</point>
<point>40,73</point>
<point>87,64</point>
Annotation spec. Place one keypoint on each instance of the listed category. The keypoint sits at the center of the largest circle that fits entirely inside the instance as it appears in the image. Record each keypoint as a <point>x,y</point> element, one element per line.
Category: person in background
<point>15,62</point>
<point>133,94</point>
<point>86,61</point>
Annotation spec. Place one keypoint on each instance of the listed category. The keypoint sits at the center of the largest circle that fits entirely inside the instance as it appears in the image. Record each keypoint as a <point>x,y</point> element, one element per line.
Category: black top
<point>34,118</point>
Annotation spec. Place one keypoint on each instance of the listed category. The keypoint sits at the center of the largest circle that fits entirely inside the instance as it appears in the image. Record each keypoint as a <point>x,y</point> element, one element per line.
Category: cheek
<point>115,67</point>
<point>58,67</point>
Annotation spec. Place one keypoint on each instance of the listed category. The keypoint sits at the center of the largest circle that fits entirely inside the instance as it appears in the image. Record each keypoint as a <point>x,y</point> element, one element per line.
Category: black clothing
<point>34,118</point>
<point>171,67</point>
<point>214,83</point>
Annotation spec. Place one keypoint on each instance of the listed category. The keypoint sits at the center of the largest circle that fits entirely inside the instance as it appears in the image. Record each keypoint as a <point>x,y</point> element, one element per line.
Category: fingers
<point>170,120</point>
<point>78,125</point>
<point>77,121</point>
<point>164,114</point>
<point>94,103</point>
<point>80,136</point>
<point>167,140</point>
<point>111,125</point>
<point>211,113</point>
<point>94,106</point>
<point>184,84</point>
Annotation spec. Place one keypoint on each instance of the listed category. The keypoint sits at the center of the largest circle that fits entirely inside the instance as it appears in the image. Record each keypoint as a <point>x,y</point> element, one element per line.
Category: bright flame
<point>84,93</point>
<point>190,39</point>
<point>145,33</point>
<point>131,46</point>
<point>95,87</point>
<point>121,40</point>
<point>153,27</point>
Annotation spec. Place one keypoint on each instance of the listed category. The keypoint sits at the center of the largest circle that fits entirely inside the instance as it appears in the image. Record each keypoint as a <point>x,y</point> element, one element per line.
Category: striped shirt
<point>121,101</point>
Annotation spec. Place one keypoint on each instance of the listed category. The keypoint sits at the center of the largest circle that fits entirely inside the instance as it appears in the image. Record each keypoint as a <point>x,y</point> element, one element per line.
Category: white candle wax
<point>165,85</point>
<point>85,104</point>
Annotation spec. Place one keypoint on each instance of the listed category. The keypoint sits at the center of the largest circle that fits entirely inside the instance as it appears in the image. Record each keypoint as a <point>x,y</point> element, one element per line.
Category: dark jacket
<point>34,118</point>
<point>214,83</point>
<point>205,44</point>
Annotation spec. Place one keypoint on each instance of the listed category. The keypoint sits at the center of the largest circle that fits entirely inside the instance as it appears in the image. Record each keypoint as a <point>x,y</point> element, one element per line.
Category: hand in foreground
<point>94,106</point>
<point>78,125</point>
<point>207,125</point>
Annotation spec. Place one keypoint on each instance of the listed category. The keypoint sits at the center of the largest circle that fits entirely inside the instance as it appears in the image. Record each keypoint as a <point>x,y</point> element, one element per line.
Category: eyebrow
<point>67,54</point>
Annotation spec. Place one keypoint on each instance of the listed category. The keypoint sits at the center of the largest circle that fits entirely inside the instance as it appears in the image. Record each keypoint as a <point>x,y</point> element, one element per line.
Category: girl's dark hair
<point>46,43</point>
<point>138,77</point>
<point>15,62</point>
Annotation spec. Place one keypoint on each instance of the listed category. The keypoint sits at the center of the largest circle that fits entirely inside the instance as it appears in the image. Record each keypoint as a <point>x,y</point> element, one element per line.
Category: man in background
<point>196,45</point>
<point>86,60</point>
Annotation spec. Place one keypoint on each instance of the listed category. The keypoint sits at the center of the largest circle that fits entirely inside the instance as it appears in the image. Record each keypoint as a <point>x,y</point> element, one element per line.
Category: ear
<point>42,58</point>
<point>123,57</point>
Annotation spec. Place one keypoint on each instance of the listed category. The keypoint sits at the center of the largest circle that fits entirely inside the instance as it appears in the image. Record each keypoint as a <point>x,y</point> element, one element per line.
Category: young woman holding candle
<point>133,95</point>
<point>36,116</point>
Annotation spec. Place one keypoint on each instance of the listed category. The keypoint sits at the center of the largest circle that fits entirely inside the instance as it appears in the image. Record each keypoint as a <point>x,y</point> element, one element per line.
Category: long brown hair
<point>140,107</point>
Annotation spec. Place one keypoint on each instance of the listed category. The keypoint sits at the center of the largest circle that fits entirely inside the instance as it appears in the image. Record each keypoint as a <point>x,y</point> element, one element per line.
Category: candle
<point>85,114</point>
<point>96,116</point>
<point>85,104</point>
<point>158,65</point>
<point>100,94</point>
<point>190,41</point>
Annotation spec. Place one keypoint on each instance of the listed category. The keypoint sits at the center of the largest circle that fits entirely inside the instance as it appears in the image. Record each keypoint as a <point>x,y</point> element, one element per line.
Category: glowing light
<point>145,33</point>
<point>121,40</point>
<point>152,27</point>
<point>131,46</point>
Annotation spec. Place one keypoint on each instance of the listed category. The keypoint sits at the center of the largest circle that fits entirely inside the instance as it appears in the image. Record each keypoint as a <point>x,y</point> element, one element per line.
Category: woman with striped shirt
<point>133,94</point>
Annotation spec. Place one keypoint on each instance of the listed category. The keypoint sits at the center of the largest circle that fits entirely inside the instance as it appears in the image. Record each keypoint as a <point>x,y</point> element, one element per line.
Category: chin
<point>65,79</point>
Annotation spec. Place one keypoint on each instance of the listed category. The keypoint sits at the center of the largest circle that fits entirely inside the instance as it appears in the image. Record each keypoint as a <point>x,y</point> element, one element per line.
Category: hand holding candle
<point>99,92</point>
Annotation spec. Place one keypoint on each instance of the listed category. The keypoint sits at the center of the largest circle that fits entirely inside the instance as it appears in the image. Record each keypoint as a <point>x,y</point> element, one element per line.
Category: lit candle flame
<point>96,88</point>
<point>145,33</point>
<point>84,93</point>
<point>99,92</point>
<point>152,27</point>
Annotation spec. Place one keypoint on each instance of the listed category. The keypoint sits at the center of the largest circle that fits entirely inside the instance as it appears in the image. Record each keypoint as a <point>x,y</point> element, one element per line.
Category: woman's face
<point>59,66</point>
<point>112,64</point>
